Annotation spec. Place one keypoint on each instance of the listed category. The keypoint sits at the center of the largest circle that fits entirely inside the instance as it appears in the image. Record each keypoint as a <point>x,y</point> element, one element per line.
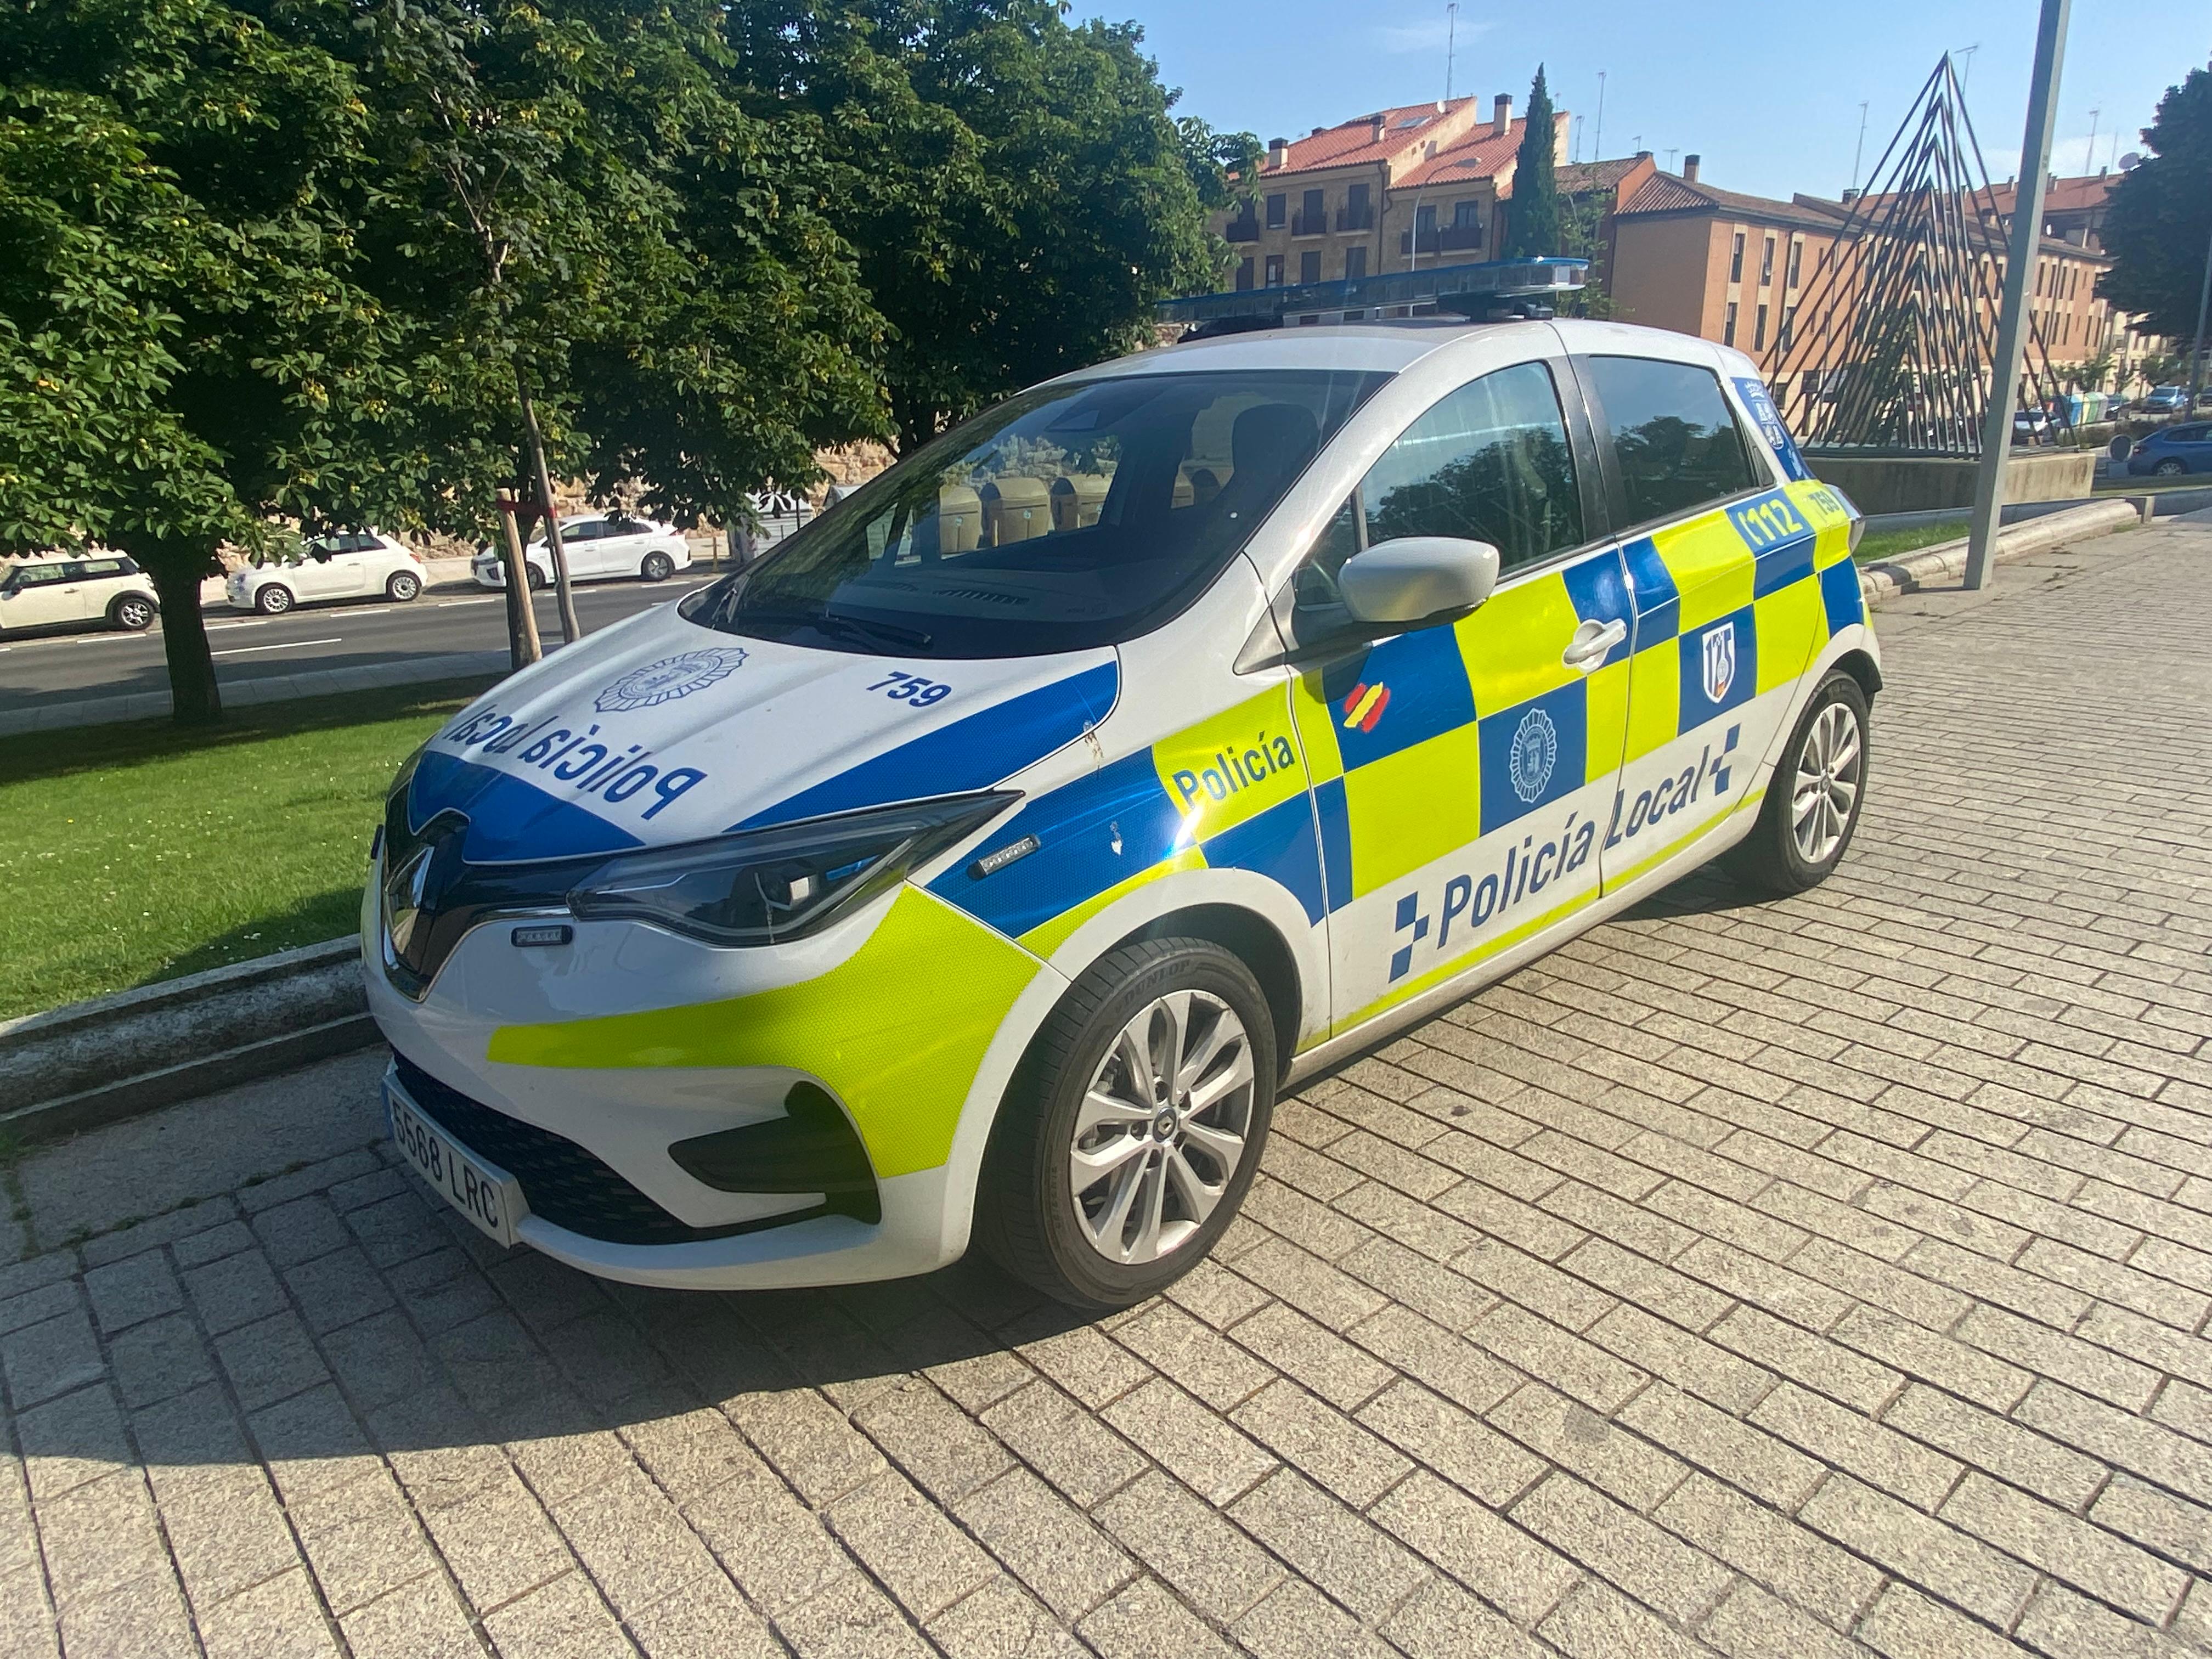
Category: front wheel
<point>273,600</point>
<point>537,578</point>
<point>2171,469</point>
<point>1133,1127</point>
<point>133,613</point>
<point>403,585</point>
<point>1813,799</point>
<point>657,568</point>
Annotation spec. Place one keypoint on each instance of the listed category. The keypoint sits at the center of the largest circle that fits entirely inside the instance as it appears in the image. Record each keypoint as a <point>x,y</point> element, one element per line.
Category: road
<point>55,668</point>
<point>1812,1279</point>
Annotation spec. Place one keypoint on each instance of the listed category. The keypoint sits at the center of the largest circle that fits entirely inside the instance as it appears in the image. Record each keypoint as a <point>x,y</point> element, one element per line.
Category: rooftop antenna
<point>1671,156</point>
<point>2090,165</point>
<point>1860,151</point>
<point>1580,122</point>
<point>1451,45</point>
<point>1967,52</point>
<point>1597,147</point>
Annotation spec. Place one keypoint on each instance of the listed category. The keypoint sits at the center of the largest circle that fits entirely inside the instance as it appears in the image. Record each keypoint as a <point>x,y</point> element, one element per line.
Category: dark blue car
<point>2172,451</point>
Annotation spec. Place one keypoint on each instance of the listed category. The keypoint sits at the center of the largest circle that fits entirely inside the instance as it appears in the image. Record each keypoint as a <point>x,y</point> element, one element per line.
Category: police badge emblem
<point>1719,646</point>
<point>1535,748</point>
<point>668,679</point>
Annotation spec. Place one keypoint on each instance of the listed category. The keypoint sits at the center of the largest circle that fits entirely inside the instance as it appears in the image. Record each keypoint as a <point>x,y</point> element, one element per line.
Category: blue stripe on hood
<point>973,753</point>
<point>510,819</point>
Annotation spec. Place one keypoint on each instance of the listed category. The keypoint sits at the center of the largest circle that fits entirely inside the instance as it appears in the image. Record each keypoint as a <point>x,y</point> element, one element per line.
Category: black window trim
<point>1764,477</point>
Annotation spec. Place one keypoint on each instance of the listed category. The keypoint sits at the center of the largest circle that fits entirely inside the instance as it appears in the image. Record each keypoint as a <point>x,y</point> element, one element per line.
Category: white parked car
<point>599,546</point>
<point>50,589</point>
<point>355,564</point>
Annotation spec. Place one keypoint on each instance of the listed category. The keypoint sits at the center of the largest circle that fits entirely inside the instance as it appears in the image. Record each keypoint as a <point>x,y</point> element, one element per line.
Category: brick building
<point>1422,183</point>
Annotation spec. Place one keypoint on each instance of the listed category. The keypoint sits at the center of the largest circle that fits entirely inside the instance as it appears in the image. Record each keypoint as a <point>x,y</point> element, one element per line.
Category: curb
<point>1945,563</point>
<point>90,1063</point>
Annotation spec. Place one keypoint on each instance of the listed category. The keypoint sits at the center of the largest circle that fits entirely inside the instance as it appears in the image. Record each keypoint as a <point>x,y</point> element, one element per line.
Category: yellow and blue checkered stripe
<point>1407,745</point>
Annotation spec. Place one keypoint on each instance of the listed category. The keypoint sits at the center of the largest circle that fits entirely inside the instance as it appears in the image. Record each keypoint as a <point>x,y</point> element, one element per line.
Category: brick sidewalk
<point>1799,1280</point>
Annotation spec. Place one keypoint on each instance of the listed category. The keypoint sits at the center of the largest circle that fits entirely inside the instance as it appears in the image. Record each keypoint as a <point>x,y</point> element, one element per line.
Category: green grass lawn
<point>1889,544</point>
<point>131,854</point>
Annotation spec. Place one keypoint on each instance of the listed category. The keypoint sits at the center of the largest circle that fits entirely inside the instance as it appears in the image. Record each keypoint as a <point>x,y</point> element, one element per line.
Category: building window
<point>1244,274</point>
<point>1355,262</point>
<point>1796,260</point>
<point>1766,262</point>
<point>1466,213</point>
<point>1759,329</point>
<point>1278,206</point>
<point>1728,324</point>
<point>1736,260</point>
<point>1309,266</point>
<point>1274,270</point>
<point>1358,212</point>
<point>1789,327</point>
<point>1313,215</point>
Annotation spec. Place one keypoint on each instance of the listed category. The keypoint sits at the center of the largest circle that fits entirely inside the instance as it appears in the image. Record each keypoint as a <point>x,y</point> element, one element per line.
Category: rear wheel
<point>537,577</point>
<point>2171,469</point>
<point>1133,1127</point>
<point>403,585</point>
<point>657,568</point>
<point>133,613</point>
<point>1813,801</point>
<point>273,600</point>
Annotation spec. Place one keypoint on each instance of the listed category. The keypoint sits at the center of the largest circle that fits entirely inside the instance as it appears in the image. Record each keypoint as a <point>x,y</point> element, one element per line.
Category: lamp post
<point>2026,242</point>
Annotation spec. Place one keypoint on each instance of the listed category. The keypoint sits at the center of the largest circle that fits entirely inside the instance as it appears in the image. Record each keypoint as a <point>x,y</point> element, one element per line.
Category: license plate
<point>484,1192</point>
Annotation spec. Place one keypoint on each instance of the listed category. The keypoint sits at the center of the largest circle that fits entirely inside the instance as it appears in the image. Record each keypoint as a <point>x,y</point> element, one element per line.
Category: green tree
<point>1016,186</point>
<point>1532,223</point>
<point>187,350</point>
<point>2159,225</point>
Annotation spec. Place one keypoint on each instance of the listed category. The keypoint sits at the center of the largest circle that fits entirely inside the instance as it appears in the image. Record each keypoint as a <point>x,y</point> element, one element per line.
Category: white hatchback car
<point>600,547</point>
<point>351,565</point>
<point>980,863</point>
<point>47,590</point>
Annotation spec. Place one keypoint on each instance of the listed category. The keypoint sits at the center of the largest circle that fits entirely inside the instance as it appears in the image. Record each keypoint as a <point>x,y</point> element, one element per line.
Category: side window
<point>1677,442</point>
<point>1490,463</point>
<point>98,567</point>
<point>583,530</point>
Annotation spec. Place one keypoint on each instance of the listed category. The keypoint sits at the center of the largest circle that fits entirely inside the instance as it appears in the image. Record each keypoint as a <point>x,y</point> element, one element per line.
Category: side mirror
<point>1413,578</point>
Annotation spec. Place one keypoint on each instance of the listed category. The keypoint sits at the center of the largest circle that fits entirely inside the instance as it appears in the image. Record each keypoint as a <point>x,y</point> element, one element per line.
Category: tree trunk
<point>195,698</point>
<point>571,629</point>
<point>523,647</point>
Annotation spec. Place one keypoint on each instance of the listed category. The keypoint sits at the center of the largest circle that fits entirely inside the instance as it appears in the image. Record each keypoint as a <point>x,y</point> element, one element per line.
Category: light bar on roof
<point>1497,287</point>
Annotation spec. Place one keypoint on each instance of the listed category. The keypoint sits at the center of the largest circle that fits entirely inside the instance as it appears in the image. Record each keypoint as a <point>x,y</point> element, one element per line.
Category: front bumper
<point>599,1147</point>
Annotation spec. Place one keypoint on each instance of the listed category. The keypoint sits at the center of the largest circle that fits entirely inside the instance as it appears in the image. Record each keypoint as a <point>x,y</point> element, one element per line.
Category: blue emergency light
<point>1495,291</point>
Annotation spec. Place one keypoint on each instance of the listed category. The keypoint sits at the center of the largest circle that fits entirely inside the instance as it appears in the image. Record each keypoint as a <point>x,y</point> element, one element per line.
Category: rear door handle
<point>1593,643</point>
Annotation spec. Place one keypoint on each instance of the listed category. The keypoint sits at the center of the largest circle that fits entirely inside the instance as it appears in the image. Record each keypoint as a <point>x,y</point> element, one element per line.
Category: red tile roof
<point>1406,127</point>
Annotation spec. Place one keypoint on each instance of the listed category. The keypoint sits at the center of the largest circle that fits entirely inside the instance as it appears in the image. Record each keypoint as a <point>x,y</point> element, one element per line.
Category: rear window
<point>1673,437</point>
<point>1069,517</point>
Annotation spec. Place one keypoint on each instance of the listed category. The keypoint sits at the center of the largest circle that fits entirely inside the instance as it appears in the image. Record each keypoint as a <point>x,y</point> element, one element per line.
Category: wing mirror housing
<point>1414,578</point>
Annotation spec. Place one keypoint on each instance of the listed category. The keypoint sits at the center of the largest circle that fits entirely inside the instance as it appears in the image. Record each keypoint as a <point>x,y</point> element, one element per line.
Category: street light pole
<point>2027,243</point>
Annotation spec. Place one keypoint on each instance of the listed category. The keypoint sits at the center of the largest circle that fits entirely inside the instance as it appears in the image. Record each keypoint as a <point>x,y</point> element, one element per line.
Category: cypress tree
<point>1532,225</point>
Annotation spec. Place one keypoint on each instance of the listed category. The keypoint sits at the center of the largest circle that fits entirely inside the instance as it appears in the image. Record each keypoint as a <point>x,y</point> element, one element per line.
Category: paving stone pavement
<point>1806,1279</point>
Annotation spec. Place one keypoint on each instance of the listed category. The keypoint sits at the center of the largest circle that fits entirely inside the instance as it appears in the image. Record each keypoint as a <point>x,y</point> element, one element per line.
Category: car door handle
<point>1593,643</point>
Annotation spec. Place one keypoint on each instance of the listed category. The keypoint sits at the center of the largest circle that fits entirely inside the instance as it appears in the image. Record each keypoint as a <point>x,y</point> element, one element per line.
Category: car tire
<point>1149,1216</point>
<point>1804,828</point>
<point>133,613</point>
<point>657,568</point>
<point>2173,467</point>
<point>533,576</point>
<point>274,600</point>
<point>403,585</point>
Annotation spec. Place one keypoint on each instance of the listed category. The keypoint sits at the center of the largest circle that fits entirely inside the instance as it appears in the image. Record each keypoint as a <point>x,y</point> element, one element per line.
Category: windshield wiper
<point>842,626</point>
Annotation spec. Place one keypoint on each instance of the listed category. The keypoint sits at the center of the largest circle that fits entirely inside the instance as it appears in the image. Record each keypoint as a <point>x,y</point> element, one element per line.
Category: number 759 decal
<point>913,689</point>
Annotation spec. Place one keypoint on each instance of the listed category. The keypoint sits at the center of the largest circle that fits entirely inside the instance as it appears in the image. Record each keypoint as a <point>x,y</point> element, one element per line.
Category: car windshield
<point>1071,516</point>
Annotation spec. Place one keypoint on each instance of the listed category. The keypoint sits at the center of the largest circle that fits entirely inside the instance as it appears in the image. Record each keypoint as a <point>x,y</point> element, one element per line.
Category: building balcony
<point>1309,224</point>
<point>1348,218</point>
<point>1246,229</point>
<point>1441,239</point>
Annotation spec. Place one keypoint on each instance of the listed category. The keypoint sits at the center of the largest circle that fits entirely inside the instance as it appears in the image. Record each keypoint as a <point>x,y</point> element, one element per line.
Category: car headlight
<point>765,887</point>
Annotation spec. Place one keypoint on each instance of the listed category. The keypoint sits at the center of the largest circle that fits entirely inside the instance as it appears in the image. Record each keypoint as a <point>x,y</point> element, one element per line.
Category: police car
<point>979,866</point>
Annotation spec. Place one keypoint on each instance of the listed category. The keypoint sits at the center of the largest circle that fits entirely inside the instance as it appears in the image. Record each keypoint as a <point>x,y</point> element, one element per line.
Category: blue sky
<point>1768,94</point>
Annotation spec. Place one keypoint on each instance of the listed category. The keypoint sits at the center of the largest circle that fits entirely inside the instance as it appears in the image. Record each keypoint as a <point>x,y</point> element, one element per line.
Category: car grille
<point>561,1180</point>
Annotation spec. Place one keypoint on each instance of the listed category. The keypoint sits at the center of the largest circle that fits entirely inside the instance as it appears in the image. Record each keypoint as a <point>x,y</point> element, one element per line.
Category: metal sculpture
<point>1892,350</point>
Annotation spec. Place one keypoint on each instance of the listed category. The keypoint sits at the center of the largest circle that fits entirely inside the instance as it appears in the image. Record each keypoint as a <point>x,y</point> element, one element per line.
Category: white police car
<point>980,866</point>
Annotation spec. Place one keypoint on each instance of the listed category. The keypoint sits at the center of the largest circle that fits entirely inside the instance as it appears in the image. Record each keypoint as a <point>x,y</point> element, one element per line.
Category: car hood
<point>658,731</point>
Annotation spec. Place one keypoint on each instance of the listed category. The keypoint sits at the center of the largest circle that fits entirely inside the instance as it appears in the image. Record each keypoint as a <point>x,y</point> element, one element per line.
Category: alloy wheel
<point>1162,1128</point>
<point>1827,786</point>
